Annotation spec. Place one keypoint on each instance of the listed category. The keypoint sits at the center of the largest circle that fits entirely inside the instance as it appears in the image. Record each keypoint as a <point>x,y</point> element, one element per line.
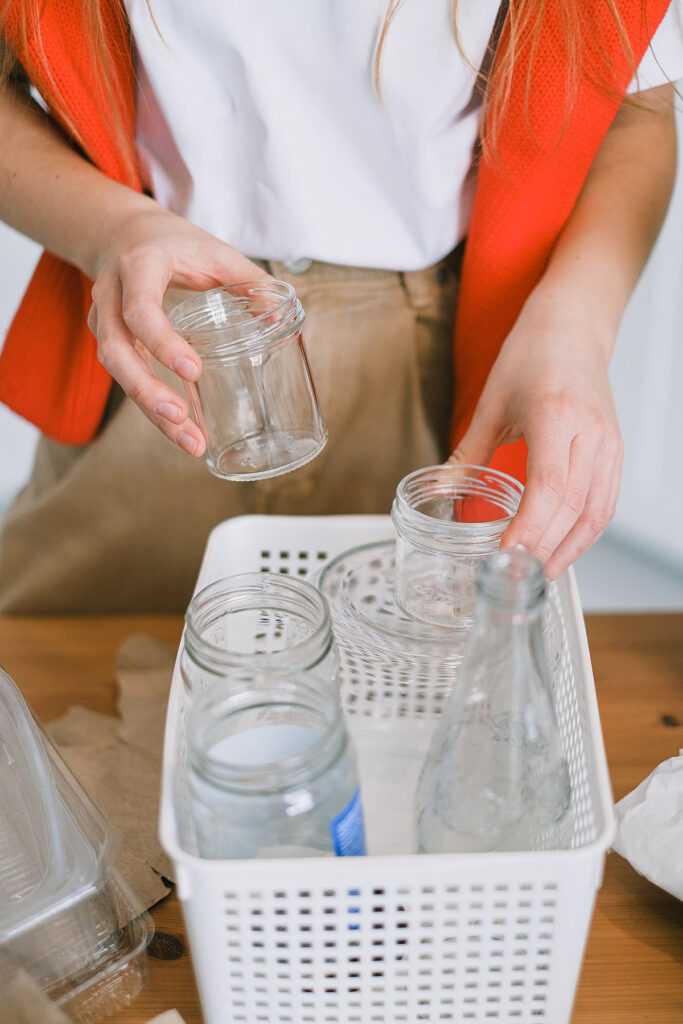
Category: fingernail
<point>189,443</point>
<point>170,411</point>
<point>184,367</point>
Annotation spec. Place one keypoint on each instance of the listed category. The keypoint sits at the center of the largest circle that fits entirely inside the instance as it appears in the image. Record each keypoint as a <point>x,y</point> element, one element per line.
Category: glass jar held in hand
<point>447,519</point>
<point>254,402</point>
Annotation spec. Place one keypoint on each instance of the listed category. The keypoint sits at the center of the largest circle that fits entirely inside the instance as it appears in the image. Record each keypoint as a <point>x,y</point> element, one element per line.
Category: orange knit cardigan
<point>49,372</point>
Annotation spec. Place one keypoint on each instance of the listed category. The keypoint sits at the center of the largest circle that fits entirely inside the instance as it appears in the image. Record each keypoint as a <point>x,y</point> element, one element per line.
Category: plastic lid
<point>45,856</point>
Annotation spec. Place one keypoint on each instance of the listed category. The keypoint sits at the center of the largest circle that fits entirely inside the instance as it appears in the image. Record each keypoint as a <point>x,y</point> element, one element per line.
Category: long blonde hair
<point>585,52</point>
<point>103,63</point>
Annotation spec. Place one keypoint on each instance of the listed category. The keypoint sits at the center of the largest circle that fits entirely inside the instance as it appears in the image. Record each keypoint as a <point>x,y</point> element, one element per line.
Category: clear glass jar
<point>447,519</point>
<point>264,621</point>
<point>272,772</point>
<point>254,401</point>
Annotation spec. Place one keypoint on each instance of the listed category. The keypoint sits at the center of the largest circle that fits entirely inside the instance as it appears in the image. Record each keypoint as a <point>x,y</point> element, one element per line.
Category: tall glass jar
<point>257,621</point>
<point>272,772</point>
<point>447,519</point>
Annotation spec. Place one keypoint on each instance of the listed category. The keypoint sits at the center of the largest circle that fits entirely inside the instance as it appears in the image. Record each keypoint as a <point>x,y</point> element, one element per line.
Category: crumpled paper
<point>118,761</point>
<point>650,826</point>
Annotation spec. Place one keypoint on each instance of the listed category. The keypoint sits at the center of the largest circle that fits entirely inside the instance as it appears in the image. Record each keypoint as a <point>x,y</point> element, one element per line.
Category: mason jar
<point>254,401</point>
<point>447,519</point>
<point>257,621</point>
<point>271,770</point>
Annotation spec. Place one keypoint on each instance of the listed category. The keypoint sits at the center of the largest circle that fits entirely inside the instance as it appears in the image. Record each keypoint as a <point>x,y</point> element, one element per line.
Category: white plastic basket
<point>391,937</point>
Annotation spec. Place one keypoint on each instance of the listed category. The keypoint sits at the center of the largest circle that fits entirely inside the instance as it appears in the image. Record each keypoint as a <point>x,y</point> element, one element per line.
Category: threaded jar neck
<point>288,626</point>
<point>247,317</point>
<point>455,509</point>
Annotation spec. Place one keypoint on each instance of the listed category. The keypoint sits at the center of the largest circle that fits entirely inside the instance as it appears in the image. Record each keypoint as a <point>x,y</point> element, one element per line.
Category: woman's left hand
<point>549,385</point>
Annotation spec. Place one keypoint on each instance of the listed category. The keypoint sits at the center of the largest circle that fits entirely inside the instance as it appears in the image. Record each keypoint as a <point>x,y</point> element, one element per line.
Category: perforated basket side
<point>404,938</point>
<point>292,545</point>
<point>390,939</point>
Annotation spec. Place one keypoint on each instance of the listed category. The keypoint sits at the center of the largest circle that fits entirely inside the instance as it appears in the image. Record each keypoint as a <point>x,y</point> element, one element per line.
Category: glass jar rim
<point>194,318</point>
<point>247,691</point>
<point>247,592</point>
<point>425,530</point>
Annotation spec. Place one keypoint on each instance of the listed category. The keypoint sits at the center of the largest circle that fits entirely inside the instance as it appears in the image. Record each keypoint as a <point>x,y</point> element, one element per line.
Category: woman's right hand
<point>147,250</point>
<point>129,245</point>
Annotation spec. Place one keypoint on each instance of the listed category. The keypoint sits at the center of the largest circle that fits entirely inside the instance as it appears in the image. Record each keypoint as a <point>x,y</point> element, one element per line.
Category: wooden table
<point>632,973</point>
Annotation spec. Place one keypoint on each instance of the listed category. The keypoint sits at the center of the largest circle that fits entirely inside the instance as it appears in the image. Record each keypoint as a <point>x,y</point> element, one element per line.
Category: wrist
<point>572,311</point>
<point>113,224</point>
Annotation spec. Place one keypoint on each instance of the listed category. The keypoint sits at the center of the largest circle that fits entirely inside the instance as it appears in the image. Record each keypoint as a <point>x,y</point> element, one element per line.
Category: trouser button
<point>297,266</point>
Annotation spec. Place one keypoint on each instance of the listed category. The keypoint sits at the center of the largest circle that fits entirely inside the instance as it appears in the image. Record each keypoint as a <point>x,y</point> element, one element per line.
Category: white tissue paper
<point>650,826</point>
<point>170,1017</point>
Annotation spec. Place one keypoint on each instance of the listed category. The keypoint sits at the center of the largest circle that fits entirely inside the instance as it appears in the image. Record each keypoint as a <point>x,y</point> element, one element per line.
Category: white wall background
<point>18,257</point>
<point>647,378</point>
<point>647,374</point>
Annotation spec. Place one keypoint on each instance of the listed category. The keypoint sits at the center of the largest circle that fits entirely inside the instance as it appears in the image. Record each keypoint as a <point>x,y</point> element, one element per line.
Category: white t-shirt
<point>259,121</point>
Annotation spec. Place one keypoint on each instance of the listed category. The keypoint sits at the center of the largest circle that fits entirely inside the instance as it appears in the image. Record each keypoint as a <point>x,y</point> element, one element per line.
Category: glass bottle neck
<point>506,652</point>
<point>494,615</point>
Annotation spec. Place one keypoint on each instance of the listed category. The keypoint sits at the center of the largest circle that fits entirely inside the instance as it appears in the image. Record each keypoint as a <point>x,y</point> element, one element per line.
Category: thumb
<point>479,442</point>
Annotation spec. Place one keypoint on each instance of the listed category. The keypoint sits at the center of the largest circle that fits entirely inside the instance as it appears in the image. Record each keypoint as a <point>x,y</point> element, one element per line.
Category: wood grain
<point>632,972</point>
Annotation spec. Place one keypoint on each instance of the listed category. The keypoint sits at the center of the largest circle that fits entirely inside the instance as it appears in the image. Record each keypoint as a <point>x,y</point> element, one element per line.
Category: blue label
<point>348,830</point>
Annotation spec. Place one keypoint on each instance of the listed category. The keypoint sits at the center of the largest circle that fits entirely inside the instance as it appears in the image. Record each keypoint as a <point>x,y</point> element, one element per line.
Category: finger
<point>230,266</point>
<point>598,511</point>
<point>547,473</point>
<point>142,291</point>
<point>144,285</point>
<point>118,354</point>
<point>583,455</point>
<point>480,441</point>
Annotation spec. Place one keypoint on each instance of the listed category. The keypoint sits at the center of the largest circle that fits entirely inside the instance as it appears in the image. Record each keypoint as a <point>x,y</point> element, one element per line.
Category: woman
<point>338,152</point>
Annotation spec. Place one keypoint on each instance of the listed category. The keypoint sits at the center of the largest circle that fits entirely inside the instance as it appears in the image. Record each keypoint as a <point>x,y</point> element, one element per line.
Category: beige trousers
<point>121,523</point>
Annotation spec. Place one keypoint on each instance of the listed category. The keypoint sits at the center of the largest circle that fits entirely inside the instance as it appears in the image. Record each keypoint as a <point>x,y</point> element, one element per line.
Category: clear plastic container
<point>66,918</point>
<point>255,401</point>
<point>447,519</point>
<point>272,772</point>
<point>263,621</point>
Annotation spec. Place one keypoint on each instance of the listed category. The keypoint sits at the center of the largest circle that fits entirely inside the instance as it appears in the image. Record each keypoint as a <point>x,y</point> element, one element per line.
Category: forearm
<point>606,242</point>
<point>51,193</point>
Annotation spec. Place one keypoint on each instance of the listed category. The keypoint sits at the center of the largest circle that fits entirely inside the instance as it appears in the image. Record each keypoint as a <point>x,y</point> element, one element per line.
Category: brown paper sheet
<point>97,729</point>
<point>118,761</point>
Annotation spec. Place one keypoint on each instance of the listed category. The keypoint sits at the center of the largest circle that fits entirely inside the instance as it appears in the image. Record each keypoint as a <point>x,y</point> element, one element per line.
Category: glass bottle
<point>495,776</point>
<point>272,771</point>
